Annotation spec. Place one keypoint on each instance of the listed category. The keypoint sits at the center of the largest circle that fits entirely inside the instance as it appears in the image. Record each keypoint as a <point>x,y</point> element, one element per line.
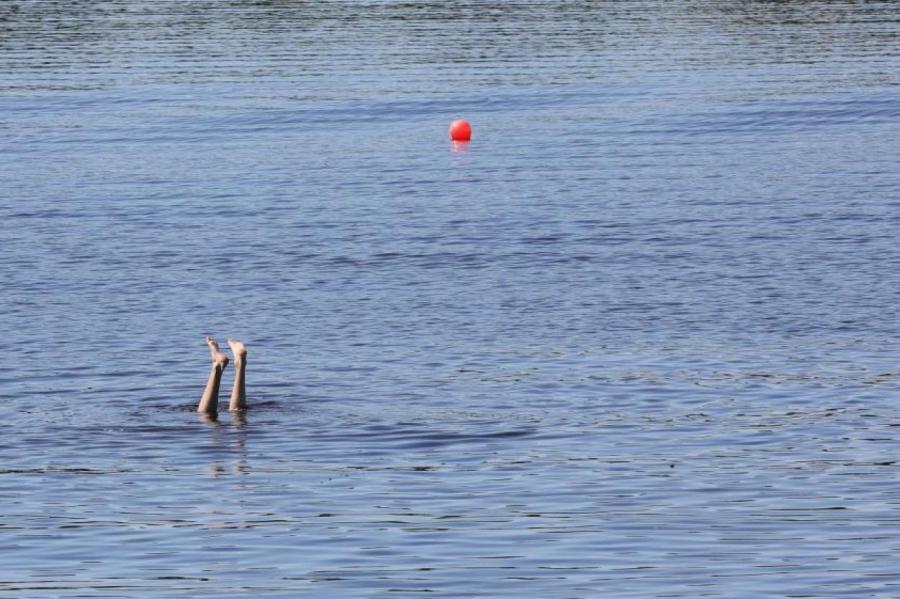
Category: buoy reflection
<point>459,146</point>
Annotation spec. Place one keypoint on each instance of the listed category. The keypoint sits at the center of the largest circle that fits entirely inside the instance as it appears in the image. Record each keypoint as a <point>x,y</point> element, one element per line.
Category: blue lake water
<point>637,339</point>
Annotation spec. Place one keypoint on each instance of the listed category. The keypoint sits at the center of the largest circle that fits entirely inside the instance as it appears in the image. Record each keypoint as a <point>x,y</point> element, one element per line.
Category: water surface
<point>637,339</point>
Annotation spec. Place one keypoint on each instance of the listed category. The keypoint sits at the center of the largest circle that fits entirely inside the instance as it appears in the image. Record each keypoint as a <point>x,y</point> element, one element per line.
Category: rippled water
<point>638,339</point>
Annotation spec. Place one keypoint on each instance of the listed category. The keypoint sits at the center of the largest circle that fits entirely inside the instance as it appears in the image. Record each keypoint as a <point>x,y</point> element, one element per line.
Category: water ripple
<point>635,340</point>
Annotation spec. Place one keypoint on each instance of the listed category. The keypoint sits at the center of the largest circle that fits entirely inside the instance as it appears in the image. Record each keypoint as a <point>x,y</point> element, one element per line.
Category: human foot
<point>238,349</point>
<point>218,356</point>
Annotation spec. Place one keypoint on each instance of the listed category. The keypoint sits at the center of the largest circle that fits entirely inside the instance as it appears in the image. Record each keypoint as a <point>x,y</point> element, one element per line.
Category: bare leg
<point>209,402</point>
<point>238,392</point>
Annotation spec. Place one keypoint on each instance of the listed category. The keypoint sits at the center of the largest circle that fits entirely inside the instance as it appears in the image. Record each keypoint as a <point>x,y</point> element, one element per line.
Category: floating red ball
<point>460,130</point>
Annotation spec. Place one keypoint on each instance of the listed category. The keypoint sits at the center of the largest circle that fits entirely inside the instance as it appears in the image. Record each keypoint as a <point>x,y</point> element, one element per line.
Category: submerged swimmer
<point>209,401</point>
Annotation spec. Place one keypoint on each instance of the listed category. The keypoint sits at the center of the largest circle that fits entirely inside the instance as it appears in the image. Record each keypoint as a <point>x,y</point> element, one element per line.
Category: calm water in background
<point>637,339</point>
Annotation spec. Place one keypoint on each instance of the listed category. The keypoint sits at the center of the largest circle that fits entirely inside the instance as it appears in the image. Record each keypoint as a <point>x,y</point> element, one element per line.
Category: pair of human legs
<point>209,401</point>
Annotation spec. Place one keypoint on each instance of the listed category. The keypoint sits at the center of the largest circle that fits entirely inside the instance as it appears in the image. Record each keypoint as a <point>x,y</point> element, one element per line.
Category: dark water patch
<point>799,114</point>
<point>257,406</point>
<point>62,470</point>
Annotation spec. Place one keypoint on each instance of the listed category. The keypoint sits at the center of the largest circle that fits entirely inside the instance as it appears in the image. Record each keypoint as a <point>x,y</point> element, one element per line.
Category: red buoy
<point>460,130</point>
